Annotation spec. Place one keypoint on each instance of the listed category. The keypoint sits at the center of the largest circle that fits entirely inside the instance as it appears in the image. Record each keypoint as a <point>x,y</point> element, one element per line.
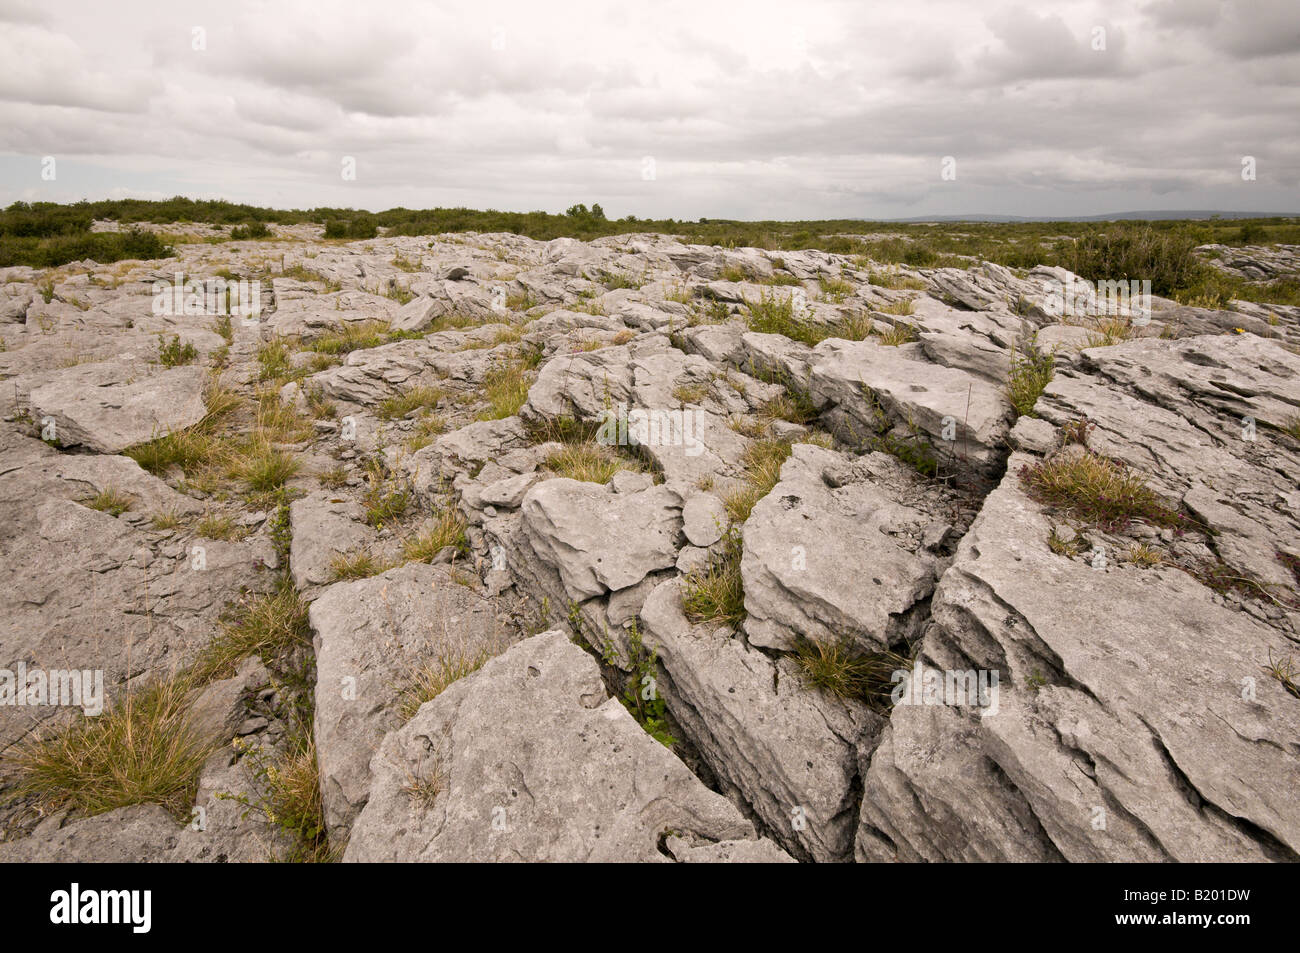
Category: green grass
<point>110,500</point>
<point>409,400</point>
<point>195,447</point>
<point>270,626</point>
<point>427,428</point>
<point>1031,371</point>
<point>505,387</point>
<point>143,750</point>
<point>359,565</point>
<point>1098,491</point>
<point>588,462</point>
<point>763,460</point>
<point>385,498</point>
<point>173,353</point>
<point>222,527</point>
<point>894,335</point>
<point>775,314</point>
<point>263,467</point>
<point>839,669</point>
<point>447,529</point>
<point>716,592</point>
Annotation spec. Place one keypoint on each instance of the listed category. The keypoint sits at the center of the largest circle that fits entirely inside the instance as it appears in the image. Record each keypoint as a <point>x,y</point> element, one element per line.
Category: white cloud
<point>760,109</point>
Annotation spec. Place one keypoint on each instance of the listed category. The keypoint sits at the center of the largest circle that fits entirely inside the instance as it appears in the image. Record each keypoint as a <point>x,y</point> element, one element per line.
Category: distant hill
<point>1149,215</point>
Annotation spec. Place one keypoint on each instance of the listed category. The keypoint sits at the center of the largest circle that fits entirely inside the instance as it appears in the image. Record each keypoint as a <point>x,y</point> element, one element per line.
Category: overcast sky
<point>749,109</point>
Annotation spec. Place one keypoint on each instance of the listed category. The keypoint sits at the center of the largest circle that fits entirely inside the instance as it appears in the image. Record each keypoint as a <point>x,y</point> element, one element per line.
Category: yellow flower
<point>1240,330</point>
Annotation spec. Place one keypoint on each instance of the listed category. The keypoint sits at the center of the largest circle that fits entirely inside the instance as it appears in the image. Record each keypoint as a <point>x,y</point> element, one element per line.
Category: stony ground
<point>412,607</point>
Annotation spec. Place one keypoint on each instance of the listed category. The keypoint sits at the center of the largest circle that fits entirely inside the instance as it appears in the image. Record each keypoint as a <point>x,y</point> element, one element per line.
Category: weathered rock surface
<point>374,638</point>
<point>530,760</point>
<point>108,407</point>
<point>1140,712</point>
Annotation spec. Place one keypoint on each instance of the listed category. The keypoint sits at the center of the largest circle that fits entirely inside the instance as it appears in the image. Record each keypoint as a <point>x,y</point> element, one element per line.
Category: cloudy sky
<point>748,109</point>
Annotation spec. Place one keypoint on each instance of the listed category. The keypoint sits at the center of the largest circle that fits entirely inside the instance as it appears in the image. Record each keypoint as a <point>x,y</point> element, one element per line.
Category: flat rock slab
<point>958,413</point>
<point>373,637</point>
<point>325,527</point>
<point>110,406</point>
<point>529,759</point>
<point>831,564</point>
<point>600,541</point>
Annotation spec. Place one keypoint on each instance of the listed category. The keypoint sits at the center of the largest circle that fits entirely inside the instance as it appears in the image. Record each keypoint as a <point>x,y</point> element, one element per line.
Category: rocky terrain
<point>485,548</point>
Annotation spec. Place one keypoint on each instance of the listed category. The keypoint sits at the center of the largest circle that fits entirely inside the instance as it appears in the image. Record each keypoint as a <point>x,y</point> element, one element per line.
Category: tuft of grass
<point>690,393</point>
<point>224,327</point>
<point>763,460</point>
<point>144,750</point>
<point>430,680</point>
<point>773,314</point>
<point>1060,545</point>
<point>334,477</point>
<point>506,386</point>
<point>385,498</point>
<point>110,500</point>
<point>1143,555</point>
<point>427,428</point>
<point>835,289</point>
<point>1097,490</point>
<point>839,669</point>
<point>588,462</point>
<point>409,400</point>
<point>264,467</point>
<point>271,626</point>
<point>193,447</point>
<point>1031,372</point>
<point>1286,672</point>
<point>716,593</point>
<point>360,565</point>
<point>292,800</point>
<point>220,527</point>
<point>273,359</point>
<point>855,327</point>
<point>173,353</point>
<point>901,308</point>
<point>448,529</point>
<point>890,278</point>
<point>895,335</point>
<point>169,519</point>
<point>1110,329</point>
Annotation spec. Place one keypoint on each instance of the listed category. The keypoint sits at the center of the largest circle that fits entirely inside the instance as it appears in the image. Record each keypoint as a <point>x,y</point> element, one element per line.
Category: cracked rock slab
<point>529,759</point>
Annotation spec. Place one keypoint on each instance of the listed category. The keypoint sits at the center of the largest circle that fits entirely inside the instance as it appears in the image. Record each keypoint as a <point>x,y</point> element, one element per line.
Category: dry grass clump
<point>716,593</point>
<point>144,750</point>
<point>845,672</point>
<point>447,529</point>
<point>1097,490</point>
<point>110,500</point>
<point>763,461</point>
<point>411,399</point>
<point>430,680</point>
